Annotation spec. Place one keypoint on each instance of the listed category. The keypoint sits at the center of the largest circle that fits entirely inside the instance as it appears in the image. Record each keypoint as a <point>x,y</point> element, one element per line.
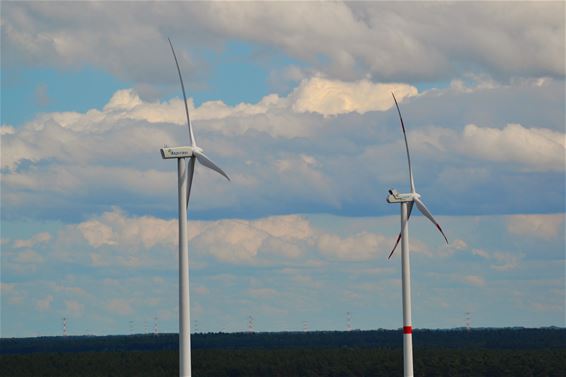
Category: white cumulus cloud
<point>539,226</point>
<point>359,247</point>
<point>333,97</point>
<point>535,148</point>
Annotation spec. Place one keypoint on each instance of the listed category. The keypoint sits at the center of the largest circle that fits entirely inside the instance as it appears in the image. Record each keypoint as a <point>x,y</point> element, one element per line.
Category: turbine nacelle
<point>395,197</point>
<point>177,152</point>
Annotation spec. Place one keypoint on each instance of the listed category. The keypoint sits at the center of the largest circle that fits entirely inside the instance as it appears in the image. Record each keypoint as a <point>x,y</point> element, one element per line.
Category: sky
<point>294,102</point>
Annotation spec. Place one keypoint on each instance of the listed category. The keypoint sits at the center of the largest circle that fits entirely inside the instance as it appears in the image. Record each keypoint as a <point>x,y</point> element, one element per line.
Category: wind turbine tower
<point>349,321</point>
<point>407,201</point>
<point>186,157</point>
<point>64,326</point>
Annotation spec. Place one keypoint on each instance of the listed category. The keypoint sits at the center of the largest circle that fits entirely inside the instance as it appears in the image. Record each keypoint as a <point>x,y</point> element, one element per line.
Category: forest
<point>479,352</point>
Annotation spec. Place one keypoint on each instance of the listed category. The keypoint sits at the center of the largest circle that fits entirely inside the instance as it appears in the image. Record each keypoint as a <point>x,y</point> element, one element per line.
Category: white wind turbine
<point>185,179</point>
<point>407,201</point>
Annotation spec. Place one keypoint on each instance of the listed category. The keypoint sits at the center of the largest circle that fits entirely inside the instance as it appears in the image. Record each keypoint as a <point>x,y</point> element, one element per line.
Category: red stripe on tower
<point>407,330</point>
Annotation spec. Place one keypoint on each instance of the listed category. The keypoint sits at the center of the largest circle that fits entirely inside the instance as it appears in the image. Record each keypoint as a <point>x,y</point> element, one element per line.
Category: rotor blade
<point>421,206</point>
<point>201,157</point>
<point>191,135</point>
<point>409,209</point>
<point>412,182</point>
<point>190,174</point>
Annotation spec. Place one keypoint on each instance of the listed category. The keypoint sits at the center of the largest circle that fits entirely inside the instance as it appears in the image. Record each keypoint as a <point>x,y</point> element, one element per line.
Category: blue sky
<point>293,101</point>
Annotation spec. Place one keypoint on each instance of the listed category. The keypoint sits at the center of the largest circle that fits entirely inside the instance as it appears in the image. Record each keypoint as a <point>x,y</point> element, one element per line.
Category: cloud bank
<point>345,40</point>
<point>282,152</point>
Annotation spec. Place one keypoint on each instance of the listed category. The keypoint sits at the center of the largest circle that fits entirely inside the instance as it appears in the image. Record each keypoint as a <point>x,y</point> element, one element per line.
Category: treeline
<point>290,362</point>
<point>485,352</point>
<point>497,338</point>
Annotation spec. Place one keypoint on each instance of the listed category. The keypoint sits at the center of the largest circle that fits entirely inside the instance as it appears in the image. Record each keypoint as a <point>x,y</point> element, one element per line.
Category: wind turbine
<point>407,201</point>
<point>185,180</point>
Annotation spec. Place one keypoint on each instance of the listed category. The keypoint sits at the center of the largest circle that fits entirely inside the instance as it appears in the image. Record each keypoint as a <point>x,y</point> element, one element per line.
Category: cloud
<point>28,257</point>
<point>96,233</point>
<point>44,303</point>
<point>503,261</point>
<point>6,130</point>
<point>109,133</point>
<point>333,97</point>
<point>116,228</point>
<point>389,40</point>
<point>263,241</point>
<point>530,149</point>
<point>359,247</point>
<point>335,268</point>
<point>116,239</point>
<point>535,148</point>
<point>119,306</point>
<point>474,280</point>
<point>540,226</point>
<point>283,161</point>
<point>74,308</point>
<point>36,239</point>
<point>286,227</point>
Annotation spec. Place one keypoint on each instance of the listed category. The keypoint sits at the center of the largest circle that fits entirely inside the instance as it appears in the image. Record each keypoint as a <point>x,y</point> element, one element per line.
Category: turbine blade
<point>409,209</point>
<point>191,135</point>
<point>421,206</point>
<point>201,157</point>
<point>190,174</point>
<point>411,180</point>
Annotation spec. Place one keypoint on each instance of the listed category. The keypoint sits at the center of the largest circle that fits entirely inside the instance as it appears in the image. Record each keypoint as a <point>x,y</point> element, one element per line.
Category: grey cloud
<point>402,41</point>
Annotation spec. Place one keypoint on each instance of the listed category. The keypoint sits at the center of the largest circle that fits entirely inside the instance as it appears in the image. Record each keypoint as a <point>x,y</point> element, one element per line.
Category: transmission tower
<point>250,324</point>
<point>468,320</point>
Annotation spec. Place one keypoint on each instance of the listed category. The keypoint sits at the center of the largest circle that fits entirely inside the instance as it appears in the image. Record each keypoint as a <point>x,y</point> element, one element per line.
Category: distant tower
<point>155,328</point>
<point>64,326</point>
<point>144,326</point>
<point>196,326</point>
<point>305,326</point>
<point>250,324</point>
<point>468,320</point>
<point>349,321</point>
<point>131,325</point>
